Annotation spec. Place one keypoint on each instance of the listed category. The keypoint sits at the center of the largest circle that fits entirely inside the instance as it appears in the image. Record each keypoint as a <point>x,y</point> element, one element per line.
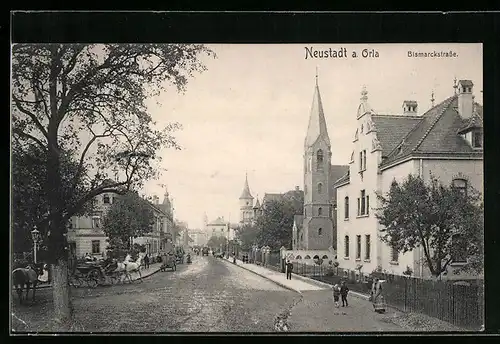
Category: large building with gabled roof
<point>445,141</point>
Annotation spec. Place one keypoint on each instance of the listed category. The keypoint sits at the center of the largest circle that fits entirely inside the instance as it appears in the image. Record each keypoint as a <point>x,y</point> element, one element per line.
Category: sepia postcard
<point>246,188</point>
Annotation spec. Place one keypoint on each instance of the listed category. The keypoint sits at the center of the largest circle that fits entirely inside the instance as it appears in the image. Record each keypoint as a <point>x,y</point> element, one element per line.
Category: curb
<point>329,286</point>
<point>269,279</point>
<point>133,279</point>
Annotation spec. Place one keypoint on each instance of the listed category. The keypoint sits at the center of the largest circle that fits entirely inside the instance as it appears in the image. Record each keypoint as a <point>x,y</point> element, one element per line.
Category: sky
<point>248,113</point>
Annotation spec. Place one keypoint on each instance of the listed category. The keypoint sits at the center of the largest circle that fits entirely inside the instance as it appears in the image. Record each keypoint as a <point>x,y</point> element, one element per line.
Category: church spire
<point>245,194</point>
<point>317,122</point>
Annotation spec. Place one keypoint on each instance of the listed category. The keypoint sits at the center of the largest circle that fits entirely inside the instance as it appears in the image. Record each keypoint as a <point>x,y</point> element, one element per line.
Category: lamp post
<point>35,235</point>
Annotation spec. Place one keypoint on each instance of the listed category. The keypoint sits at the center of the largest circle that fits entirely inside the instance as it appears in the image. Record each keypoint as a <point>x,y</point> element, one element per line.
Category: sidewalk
<point>295,284</point>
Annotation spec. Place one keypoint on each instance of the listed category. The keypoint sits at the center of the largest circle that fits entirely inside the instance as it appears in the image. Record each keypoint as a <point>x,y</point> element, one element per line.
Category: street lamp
<point>35,235</point>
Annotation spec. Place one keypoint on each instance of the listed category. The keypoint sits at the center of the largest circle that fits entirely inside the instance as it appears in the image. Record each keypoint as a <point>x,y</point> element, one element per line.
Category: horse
<point>133,266</point>
<point>26,276</point>
<point>127,267</point>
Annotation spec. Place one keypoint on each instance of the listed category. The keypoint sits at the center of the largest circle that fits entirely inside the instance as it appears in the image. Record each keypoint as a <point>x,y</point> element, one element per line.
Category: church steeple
<point>245,194</point>
<point>317,123</point>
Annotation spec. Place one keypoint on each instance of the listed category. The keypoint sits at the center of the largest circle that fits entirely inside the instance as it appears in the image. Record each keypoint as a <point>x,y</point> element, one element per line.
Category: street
<point>208,295</point>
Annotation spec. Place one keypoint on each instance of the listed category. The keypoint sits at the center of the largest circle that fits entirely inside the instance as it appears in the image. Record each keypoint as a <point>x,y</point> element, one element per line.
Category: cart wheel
<point>93,278</point>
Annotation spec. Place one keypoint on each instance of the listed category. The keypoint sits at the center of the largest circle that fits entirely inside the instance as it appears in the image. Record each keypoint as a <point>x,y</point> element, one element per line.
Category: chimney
<point>155,199</point>
<point>297,188</point>
<point>465,98</point>
<point>410,107</point>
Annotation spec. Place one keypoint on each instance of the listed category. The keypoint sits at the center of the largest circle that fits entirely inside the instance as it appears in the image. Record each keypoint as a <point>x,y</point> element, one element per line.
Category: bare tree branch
<point>33,117</point>
<point>28,136</point>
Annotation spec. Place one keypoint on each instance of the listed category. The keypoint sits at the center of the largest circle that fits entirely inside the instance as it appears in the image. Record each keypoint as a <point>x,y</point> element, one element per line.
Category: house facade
<point>444,142</point>
<point>86,235</point>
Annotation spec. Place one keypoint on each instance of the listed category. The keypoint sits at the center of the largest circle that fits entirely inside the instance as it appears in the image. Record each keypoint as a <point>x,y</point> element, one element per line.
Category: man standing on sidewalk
<point>289,269</point>
<point>343,293</point>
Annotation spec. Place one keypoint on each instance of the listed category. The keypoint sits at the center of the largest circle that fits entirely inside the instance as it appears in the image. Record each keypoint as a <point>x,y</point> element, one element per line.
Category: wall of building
<point>410,259</point>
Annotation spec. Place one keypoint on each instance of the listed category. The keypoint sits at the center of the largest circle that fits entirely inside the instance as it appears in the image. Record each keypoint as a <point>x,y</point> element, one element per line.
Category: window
<point>105,199</point>
<point>301,236</point>
<point>477,139</point>
<point>362,160</point>
<point>320,231</point>
<point>307,257</point>
<point>320,211</point>
<point>394,254</point>
<point>305,212</point>
<point>460,185</point>
<point>320,188</point>
<point>363,204</point>
<point>367,246</point>
<point>96,222</point>
<point>459,249</point>
<point>346,207</point>
<point>96,246</point>
<point>319,160</point>
<point>358,246</point>
<point>346,246</point>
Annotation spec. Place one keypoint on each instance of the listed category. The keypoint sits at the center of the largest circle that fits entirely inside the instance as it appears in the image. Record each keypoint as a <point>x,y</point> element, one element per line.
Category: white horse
<point>131,266</point>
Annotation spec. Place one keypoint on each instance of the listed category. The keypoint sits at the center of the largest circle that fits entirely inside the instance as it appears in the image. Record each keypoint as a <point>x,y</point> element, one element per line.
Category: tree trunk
<point>61,292</point>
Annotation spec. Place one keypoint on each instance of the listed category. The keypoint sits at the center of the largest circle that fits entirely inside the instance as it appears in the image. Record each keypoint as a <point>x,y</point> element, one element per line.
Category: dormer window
<point>477,139</point>
<point>105,199</point>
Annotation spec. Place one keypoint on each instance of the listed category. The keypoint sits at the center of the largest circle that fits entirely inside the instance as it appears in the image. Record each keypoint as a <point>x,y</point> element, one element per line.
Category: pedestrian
<point>289,269</point>
<point>146,261</point>
<point>336,295</point>
<point>377,297</point>
<point>343,293</point>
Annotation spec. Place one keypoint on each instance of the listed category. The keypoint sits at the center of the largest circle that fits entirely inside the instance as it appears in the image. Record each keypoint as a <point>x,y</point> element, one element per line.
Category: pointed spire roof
<point>364,107</point>
<point>257,204</point>
<point>245,194</point>
<point>317,122</point>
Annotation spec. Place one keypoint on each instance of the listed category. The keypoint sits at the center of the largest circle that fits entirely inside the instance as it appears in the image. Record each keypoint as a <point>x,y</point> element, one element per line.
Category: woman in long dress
<point>377,297</point>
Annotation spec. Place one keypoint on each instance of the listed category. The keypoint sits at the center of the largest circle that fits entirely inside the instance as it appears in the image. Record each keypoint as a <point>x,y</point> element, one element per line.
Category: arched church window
<point>320,211</point>
<point>319,160</point>
<point>320,188</point>
<point>320,231</point>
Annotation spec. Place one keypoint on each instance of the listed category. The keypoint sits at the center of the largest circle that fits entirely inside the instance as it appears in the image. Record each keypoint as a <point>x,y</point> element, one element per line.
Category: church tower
<point>317,225</point>
<point>246,204</point>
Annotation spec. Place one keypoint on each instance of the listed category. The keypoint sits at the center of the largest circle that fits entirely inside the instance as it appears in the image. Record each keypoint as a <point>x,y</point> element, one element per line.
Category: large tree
<point>216,242</point>
<point>29,194</point>
<point>275,224</point>
<point>128,216</point>
<point>443,220</point>
<point>248,235</point>
<point>92,99</point>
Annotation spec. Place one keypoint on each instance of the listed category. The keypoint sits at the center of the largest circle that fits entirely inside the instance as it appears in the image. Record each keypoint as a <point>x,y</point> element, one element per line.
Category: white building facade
<point>445,141</point>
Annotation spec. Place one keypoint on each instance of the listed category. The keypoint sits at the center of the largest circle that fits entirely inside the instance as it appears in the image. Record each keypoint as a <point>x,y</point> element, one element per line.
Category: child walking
<point>343,293</point>
<point>336,295</point>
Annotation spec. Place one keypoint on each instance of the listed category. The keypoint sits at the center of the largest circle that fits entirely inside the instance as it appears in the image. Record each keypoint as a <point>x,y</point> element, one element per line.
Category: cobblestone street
<point>207,296</point>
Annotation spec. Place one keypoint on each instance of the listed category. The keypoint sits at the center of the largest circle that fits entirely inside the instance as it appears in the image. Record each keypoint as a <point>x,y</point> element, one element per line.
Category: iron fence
<point>461,304</point>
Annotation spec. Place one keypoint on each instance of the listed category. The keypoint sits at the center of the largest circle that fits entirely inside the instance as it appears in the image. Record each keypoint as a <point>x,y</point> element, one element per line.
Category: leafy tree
<point>433,216</point>
<point>91,100</point>
<point>128,216</point>
<point>248,235</point>
<point>215,242</point>
<point>275,224</point>
<point>29,194</point>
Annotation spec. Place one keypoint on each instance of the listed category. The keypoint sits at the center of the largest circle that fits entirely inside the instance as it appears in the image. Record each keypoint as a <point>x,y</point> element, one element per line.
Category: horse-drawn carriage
<point>168,261</point>
<point>108,271</point>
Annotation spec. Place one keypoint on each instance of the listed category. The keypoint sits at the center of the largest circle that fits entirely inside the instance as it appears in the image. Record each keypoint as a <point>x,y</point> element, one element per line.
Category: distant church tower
<point>246,204</point>
<point>317,225</point>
